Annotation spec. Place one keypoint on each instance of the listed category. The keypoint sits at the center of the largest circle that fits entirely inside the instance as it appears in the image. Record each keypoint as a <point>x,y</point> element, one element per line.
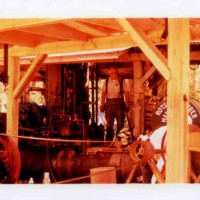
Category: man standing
<point>115,101</point>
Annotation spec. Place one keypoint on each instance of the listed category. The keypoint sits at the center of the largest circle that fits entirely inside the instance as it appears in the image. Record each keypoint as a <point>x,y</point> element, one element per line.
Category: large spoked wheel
<point>10,160</point>
<point>141,151</point>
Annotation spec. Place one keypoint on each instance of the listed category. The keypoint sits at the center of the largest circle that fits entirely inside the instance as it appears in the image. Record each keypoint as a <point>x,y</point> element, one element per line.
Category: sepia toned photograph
<point>99,100</point>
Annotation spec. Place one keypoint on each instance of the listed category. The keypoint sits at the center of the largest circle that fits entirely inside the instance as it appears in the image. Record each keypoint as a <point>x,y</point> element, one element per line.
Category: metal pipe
<point>97,80</point>
<point>74,90</point>
<point>5,77</point>
<point>63,88</point>
<point>92,76</point>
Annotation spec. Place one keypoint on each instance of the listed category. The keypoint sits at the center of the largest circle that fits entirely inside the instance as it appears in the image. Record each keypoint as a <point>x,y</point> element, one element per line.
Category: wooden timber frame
<point>177,100</point>
<point>15,88</point>
<point>174,70</point>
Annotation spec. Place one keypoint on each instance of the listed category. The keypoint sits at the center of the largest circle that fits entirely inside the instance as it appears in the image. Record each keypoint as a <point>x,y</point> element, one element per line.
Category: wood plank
<point>138,99</point>
<point>130,57</point>
<point>26,39</point>
<point>10,24</point>
<point>84,57</point>
<point>103,57</point>
<point>96,57</point>
<point>29,75</point>
<point>59,31</point>
<point>149,49</point>
<point>148,74</point>
<point>119,58</point>
<point>155,171</point>
<point>131,173</point>
<point>177,154</point>
<point>103,22</point>
<point>110,42</point>
<point>12,104</point>
<point>84,28</point>
<point>95,44</point>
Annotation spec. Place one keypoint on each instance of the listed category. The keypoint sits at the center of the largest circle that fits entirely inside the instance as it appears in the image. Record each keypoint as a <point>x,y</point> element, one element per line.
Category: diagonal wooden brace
<point>155,170</point>
<point>147,46</point>
<point>29,75</point>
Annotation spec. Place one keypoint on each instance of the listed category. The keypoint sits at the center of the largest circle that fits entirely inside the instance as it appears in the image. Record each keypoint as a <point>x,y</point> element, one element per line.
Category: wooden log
<point>156,172</point>
<point>177,153</point>
<point>130,176</point>
<point>12,104</point>
<point>28,75</point>
<point>149,49</point>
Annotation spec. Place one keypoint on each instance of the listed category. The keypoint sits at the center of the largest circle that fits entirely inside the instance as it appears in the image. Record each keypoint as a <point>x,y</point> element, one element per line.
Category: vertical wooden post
<point>12,103</point>
<point>177,100</point>
<point>138,99</point>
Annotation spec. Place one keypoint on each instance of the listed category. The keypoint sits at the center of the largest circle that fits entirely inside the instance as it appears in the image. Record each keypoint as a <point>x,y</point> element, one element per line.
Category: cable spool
<point>141,151</point>
<point>159,117</point>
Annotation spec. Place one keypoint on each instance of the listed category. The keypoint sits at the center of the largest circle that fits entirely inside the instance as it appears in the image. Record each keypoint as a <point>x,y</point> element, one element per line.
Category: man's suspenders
<point>120,83</point>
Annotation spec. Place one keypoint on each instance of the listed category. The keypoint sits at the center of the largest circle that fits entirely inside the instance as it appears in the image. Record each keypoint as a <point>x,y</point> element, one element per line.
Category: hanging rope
<point>54,139</point>
<point>64,140</point>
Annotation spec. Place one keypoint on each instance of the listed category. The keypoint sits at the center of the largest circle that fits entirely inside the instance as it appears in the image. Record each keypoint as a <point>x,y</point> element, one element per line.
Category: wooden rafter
<point>84,28</point>
<point>28,75</point>
<point>27,39</point>
<point>58,31</point>
<point>11,24</point>
<point>149,49</point>
<point>102,22</point>
<point>42,34</point>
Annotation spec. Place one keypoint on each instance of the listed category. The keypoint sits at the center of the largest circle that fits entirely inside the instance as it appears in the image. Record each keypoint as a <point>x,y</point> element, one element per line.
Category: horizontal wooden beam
<point>97,57</point>
<point>110,42</point>
<point>149,49</point>
<point>102,57</point>
<point>28,75</point>
<point>76,58</point>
